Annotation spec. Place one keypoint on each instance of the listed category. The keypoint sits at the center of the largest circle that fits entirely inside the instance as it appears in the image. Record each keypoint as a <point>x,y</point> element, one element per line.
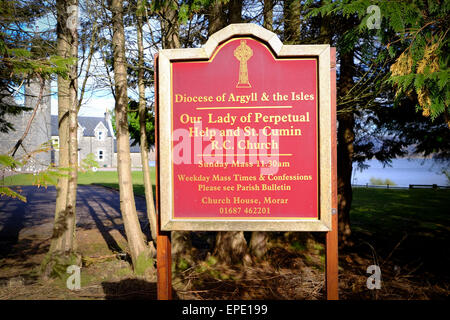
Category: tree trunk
<point>181,240</point>
<point>151,213</point>
<point>138,249</point>
<point>63,131</point>
<point>268,14</point>
<point>69,236</point>
<point>258,240</point>
<point>169,25</point>
<point>230,247</point>
<point>235,11</point>
<point>62,246</point>
<point>345,138</point>
<point>291,21</point>
<point>217,18</point>
<point>258,244</point>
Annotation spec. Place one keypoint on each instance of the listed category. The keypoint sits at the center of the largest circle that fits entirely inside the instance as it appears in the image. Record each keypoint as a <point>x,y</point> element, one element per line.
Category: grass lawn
<point>386,210</point>
<point>105,178</point>
<point>110,179</point>
<point>409,227</point>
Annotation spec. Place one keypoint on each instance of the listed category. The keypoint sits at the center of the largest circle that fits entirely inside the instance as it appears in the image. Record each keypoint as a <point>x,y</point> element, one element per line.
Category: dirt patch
<point>262,280</point>
<point>288,272</point>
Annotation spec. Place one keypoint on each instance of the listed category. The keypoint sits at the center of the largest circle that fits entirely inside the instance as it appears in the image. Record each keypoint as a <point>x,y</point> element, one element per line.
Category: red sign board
<point>245,135</point>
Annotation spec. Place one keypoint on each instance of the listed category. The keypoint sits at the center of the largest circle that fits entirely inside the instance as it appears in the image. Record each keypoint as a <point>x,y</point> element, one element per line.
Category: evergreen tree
<point>25,53</point>
<point>415,34</point>
<point>391,70</point>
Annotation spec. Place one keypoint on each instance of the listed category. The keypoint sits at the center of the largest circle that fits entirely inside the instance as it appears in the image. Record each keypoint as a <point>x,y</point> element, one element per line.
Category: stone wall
<point>135,160</point>
<point>87,145</point>
<point>39,133</point>
<point>92,145</point>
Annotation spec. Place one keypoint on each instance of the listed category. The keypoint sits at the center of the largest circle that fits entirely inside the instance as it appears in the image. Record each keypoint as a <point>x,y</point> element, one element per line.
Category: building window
<point>55,143</point>
<point>100,135</point>
<point>100,155</point>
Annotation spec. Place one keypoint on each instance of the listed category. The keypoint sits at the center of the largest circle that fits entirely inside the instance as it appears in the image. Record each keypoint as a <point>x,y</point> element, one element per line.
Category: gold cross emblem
<point>243,53</point>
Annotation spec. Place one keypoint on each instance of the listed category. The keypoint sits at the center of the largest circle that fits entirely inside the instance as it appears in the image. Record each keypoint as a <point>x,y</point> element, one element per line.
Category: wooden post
<point>163,245</point>
<point>331,258</point>
<point>164,265</point>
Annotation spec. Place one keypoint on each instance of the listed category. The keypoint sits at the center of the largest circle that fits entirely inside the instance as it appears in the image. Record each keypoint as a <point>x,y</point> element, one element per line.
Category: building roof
<point>133,149</point>
<point>88,123</point>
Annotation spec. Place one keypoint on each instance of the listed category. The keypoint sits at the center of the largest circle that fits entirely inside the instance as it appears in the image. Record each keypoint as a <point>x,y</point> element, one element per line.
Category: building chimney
<point>109,123</point>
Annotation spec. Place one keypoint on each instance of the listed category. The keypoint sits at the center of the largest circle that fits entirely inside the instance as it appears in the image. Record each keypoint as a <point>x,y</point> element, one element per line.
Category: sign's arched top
<point>253,30</point>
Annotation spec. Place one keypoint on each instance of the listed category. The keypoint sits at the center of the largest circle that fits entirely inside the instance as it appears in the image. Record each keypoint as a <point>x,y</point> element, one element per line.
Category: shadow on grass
<point>139,191</point>
<point>104,231</point>
<point>17,216</point>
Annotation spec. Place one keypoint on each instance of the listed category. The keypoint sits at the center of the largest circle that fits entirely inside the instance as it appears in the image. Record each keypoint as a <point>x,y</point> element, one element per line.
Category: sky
<point>96,101</point>
<point>94,105</point>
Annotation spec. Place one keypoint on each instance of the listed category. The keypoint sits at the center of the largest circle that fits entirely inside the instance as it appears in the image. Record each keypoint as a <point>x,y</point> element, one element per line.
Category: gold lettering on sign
<point>243,53</point>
